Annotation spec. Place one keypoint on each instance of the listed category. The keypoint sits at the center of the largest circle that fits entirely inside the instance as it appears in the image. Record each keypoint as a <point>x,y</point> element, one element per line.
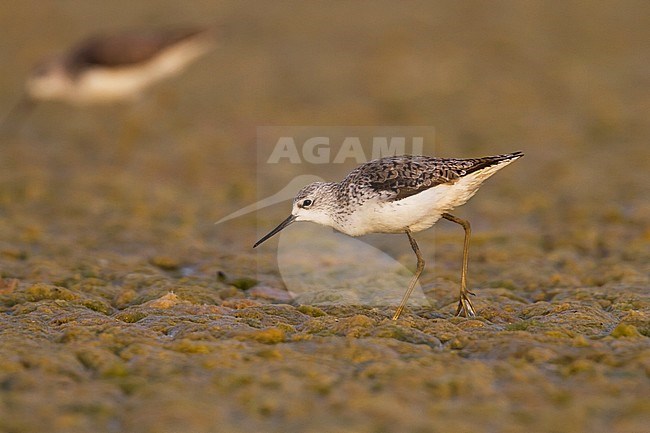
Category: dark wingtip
<point>509,156</point>
<point>513,155</point>
<point>489,161</point>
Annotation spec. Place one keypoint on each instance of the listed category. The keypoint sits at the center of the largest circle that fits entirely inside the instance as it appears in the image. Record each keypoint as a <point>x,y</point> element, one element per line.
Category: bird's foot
<point>465,307</point>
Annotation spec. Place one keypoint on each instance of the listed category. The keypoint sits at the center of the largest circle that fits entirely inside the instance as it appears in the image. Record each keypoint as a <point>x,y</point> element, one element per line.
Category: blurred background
<point>567,83</point>
<point>118,190</point>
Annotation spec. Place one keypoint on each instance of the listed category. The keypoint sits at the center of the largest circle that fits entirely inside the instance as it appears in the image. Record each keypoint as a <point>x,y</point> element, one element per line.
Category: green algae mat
<point>124,308</point>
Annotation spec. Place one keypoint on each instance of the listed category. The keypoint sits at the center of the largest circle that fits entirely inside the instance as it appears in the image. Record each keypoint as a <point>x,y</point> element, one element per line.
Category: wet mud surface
<point>124,308</point>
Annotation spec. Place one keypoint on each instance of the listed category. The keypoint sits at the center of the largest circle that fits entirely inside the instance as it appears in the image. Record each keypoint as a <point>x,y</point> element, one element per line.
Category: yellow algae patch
<point>124,297</point>
<point>311,311</point>
<point>190,346</point>
<point>41,291</point>
<point>355,326</point>
<point>165,263</point>
<point>625,330</point>
<point>239,304</point>
<point>166,301</point>
<point>267,336</point>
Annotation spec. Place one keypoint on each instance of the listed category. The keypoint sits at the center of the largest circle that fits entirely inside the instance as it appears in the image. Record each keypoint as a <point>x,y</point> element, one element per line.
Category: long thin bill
<point>275,231</point>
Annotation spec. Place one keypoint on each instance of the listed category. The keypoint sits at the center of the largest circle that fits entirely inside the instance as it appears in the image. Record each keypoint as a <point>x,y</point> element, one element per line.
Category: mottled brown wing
<point>404,176</point>
<point>126,48</point>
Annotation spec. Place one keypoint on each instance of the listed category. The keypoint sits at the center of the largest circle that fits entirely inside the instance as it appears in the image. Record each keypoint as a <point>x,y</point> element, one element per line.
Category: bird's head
<point>48,80</point>
<point>312,203</point>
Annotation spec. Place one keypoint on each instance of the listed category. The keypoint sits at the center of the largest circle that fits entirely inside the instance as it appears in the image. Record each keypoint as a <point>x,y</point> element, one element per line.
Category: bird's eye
<point>306,203</point>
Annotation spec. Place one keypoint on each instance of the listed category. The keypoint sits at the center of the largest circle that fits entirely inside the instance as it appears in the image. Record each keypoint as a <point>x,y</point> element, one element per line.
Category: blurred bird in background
<point>111,68</point>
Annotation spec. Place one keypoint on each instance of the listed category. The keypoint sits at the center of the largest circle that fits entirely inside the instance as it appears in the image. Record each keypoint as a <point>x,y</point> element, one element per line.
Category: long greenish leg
<point>465,306</point>
<point>418,271</point>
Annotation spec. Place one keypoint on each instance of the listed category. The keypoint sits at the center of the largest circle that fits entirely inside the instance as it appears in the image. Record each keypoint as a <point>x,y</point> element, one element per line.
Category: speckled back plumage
<point>124,49</point>
<point>397,177</point>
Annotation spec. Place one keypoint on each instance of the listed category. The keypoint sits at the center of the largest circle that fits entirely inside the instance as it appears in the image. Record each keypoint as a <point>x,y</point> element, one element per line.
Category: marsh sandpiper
<point>113,67</point>
<point>119,66</point>
<point>399,194</point>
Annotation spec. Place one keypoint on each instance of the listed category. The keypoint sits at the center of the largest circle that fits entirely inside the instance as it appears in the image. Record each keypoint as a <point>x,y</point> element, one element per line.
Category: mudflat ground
<point>124,308</point>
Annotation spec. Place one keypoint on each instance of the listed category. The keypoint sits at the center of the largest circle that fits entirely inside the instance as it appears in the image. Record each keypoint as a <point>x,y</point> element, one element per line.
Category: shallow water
<point>123,308</point>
